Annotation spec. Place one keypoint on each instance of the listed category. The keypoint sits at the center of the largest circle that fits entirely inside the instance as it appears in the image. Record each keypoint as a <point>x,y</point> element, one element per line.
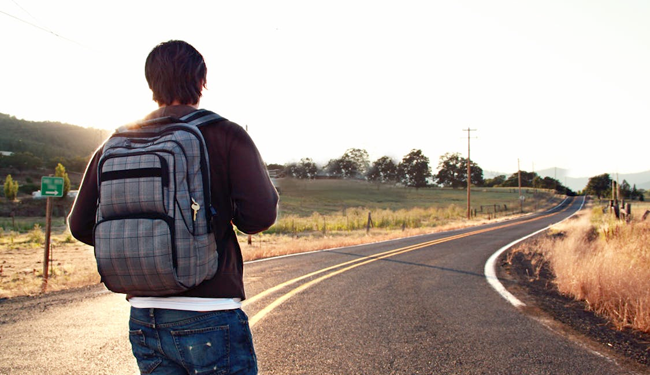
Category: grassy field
<point>313,215</point>
<point>304,197</point>
<point>603,261</point>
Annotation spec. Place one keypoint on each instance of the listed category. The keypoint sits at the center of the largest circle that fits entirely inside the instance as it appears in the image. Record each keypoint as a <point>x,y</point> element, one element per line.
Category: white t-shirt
<point>186,303</point>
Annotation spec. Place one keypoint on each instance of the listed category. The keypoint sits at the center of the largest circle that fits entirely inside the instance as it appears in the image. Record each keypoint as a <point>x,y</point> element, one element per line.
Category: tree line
<point>414,170</point>
<point>602,186</point>
<point>25,161</point>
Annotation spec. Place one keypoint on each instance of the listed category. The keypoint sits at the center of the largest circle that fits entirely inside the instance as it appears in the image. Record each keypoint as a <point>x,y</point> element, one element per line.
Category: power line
<point>41,27</point>
<point>26,11</point>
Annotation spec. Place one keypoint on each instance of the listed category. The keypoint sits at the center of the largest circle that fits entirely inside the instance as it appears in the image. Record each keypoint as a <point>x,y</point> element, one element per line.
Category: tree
<point>496,181</point>
<point>636,194</point>
<point>11,188</point>
<point>353,163</point>
<point>359,158</point>
<point>599,185</point>
<point>337,168</point>
<point>546,183</point>
<point>74,164</point>
<point>414,169</point>
<point>527,179</point>
<point>382,170</point>
<point>60,172</point>
<point>306,169</point>
<point>22,161</point>
<point>626,190</point>
<point>452,171</point>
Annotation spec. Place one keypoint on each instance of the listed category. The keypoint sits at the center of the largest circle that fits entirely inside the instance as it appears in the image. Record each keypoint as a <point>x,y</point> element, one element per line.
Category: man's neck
<point>176,102</point>
<point>176,111</point>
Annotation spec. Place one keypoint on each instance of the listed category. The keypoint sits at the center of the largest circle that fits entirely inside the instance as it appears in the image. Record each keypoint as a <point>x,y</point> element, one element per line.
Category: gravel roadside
<point>572,318</point>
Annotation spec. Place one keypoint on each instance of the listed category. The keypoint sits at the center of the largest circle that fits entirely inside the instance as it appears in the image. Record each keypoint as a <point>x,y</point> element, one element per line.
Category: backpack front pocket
<point>134,184</point>
<point>137,255</point>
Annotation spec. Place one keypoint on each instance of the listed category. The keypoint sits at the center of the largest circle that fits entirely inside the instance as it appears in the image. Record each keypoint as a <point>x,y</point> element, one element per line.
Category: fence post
<point>369,222</point>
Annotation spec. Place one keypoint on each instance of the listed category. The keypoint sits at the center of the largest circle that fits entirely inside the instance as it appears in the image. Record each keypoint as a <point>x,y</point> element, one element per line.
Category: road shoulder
<point>569,317</point>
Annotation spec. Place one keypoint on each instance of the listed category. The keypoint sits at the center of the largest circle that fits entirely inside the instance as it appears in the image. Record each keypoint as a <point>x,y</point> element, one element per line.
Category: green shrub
<point>36,235</point>
<point>10,188</point>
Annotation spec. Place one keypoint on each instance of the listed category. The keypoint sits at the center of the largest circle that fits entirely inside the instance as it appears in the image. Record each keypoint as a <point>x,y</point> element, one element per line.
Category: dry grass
<point>272,245</point>
<point>603,261</point>
<point>21,265</point>
<point>357,218</point>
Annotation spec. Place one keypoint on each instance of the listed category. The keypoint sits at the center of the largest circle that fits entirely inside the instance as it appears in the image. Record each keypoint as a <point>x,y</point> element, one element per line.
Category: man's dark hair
<point>175,71</point>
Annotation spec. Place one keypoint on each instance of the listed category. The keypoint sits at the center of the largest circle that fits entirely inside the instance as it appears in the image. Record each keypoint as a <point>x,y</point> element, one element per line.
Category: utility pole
<point>469,174</point>
<point>521,200</point>
<point>618,189</point>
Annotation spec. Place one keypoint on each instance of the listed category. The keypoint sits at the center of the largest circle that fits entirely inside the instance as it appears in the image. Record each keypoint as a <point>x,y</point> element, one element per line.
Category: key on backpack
<point>195,208</point>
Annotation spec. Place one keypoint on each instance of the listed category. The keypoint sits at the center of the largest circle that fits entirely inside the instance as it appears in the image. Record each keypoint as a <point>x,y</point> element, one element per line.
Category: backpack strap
<point>198,118</point>
<point>201,117</point>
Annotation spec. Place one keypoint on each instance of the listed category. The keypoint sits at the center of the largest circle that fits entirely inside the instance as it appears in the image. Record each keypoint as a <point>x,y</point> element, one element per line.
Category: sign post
<point>50,187</point>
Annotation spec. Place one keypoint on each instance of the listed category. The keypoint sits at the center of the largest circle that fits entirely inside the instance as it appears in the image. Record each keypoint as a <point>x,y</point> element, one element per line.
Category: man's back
<point>184,332</point>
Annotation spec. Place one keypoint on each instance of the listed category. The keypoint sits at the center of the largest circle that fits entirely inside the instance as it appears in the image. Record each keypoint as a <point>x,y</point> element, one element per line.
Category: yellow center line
<point>311,283</point>
<point>359,262</point>
<point>293,281</point>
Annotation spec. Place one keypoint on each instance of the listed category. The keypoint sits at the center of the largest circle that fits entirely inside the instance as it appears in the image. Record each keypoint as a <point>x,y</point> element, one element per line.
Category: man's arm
<point>255,199</point>
<point>82,216</point>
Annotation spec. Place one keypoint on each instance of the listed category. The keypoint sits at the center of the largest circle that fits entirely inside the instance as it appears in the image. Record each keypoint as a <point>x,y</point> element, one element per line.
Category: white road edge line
<point>490,265</point>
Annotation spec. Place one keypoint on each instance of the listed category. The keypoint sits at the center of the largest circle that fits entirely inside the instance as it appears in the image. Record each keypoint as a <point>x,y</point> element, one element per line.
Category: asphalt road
<point>420,305</point>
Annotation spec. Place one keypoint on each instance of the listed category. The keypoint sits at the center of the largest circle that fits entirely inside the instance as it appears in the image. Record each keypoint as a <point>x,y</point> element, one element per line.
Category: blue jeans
<point>190,342</point>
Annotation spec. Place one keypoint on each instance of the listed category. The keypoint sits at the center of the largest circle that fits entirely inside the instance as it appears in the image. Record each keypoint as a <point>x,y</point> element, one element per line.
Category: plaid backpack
<point>152,234</point>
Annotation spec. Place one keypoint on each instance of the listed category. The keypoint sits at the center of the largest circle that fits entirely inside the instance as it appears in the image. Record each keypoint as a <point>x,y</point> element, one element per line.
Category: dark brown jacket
<point>242,194</point>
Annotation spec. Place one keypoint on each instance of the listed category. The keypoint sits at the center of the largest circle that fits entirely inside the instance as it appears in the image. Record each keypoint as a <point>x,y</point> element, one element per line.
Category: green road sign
<point>52,186</point>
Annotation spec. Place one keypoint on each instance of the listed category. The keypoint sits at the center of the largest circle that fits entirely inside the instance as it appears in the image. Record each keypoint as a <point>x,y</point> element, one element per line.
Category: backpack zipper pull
<point>195,208</point>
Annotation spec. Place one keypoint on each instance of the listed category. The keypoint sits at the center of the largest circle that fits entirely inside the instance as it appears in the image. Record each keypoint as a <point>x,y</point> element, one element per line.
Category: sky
<point>541,84</point>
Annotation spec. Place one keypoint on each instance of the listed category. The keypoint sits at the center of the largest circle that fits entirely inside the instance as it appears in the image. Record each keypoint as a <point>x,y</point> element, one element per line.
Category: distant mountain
<point>574,183</point>
<point>48,140</point>
<point>641,180</point>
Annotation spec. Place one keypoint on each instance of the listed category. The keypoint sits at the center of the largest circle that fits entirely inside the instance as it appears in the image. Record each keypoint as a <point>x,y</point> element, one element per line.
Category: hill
<point>48,140</point>
<point>641,179</point>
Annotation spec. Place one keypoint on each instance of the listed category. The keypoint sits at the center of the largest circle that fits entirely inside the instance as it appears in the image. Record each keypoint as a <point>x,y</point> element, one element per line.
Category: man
<point>202,330</point>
